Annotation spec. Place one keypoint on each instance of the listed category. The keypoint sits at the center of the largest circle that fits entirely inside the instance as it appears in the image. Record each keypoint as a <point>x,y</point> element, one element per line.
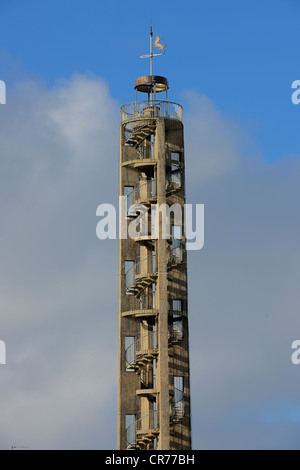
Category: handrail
<point>176,331</point>
<point>142,267</point>
<point>147,342</point>
<point>147,301</point>
<point>142,190</point>
<point>175,253</point>
<point>144,301</point>
<point>146,422</point>
<point>146,152</point>
<point>145,190</point>
<point>130,436</point>
<point>150,109</point>
<point>145,265</point>
<point>142,345</point>
<point>177,407</point>
<point>173,181</point>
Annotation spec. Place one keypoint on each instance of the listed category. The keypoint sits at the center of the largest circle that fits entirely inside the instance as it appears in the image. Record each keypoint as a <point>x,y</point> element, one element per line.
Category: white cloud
<point>244,303</point>
<point>59,312</point>
<point>58,282</point>
<point>211,141</point>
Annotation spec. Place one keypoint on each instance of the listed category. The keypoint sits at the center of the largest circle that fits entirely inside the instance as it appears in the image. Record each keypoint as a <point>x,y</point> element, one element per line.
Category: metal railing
<point>175,253</point>
<point>173,185</point>
<point>141,192</point>
<point>177,404</point>
<point>141,346</point>
<point>146,422</point>
<point>151,109</point>
<point>145,190</point>
<point>145,343</point>
<point>147,301</point>
<point>176,330</point>
<point>129,278</point>
<point>174,180</point>
<point>145,266</point>
<point>130,436</point>
<point>148,379</point>
<point>142,267</point>
<point>145,151</point>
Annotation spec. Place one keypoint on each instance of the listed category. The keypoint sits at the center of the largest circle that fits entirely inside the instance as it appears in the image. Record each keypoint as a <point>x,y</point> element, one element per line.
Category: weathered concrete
<point>164,277</point>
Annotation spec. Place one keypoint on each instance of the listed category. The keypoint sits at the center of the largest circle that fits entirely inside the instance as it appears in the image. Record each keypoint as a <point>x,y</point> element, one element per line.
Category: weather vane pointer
<point>158,45</point>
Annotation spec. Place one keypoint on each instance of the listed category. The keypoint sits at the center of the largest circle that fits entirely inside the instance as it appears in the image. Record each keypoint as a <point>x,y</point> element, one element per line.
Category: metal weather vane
<point>158,44</point>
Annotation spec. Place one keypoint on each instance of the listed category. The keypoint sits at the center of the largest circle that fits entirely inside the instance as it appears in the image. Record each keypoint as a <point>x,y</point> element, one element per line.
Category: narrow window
<point>177,305</point>
<point>152,187</point>
<point>153,341</point>
<point>128,193</point>
<point>129,353</point>
<point>176,242</point>
<point>177,319</point>
<point>129,277</point>
<point>154,373</point>
<point>178,397</point>
<point>153,295</point>
<point>154,414</point>
<point>153,261</point>
<point>152,146</point>
<point>175,156</point>
<point>176,175</point>
<point>130,430</point>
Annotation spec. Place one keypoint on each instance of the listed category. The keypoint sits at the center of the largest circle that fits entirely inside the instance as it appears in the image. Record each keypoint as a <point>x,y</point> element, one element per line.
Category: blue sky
<point>68,67</point>
<point>243,55</point>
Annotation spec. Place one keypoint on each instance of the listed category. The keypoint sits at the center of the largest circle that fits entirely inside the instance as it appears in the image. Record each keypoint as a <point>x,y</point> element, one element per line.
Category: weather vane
<point>157,45</point>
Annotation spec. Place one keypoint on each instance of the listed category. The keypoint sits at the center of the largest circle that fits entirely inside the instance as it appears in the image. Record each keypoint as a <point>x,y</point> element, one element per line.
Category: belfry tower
<point>154,383</point>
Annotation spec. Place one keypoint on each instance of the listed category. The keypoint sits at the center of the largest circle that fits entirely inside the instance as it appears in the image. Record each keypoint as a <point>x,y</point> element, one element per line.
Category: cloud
<point>244,297</point>
<point>58,282</point>
<point>211,141</point>
<point>59,154</point>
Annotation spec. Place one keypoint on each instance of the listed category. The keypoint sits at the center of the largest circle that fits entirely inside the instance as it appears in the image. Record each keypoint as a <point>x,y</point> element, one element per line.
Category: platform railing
<point>142,345</point>
<point>145,190</point>
<point>143,267</point>
<point>151,109</point>
<point>146,422</point>
<point>177,405</point>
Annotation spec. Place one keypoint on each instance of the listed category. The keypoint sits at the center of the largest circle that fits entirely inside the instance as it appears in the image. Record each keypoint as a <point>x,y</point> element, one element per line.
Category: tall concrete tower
<point>154,383</point>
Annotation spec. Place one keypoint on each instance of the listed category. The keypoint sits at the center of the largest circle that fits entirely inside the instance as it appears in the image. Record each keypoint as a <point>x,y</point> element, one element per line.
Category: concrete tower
<point>154,383</point>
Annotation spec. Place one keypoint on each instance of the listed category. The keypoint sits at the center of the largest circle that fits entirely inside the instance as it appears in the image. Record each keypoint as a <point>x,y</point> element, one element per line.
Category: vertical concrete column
<point>121,420</point>
<point>162,297</point>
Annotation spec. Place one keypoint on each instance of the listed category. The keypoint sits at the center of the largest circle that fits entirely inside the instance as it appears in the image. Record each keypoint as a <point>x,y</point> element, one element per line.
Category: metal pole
<point>151,55</point>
